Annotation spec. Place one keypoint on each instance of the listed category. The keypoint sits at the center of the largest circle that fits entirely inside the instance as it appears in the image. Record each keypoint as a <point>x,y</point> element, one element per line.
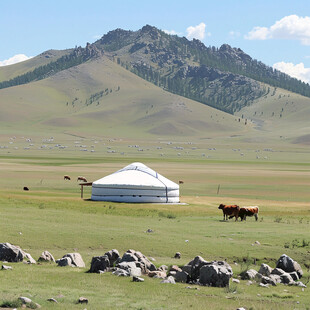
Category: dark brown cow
<point>248,211</point>
<point>66,177</point>
<point>181,182</point>
<point>26,188</point>
<point>230,210</point>
<point>81,179</point>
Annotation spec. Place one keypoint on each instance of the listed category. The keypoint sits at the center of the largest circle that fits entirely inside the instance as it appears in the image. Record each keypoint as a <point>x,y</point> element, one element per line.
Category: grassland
<point>51,216</point>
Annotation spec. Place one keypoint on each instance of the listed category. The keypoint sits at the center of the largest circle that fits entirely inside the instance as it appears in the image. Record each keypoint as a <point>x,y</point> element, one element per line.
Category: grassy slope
<point>137,109</point>
<point>9,72</point>
<point>52,217</point>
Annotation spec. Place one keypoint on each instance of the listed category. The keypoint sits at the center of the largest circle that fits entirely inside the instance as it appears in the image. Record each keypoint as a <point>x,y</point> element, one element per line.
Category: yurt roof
<point>136,175</point>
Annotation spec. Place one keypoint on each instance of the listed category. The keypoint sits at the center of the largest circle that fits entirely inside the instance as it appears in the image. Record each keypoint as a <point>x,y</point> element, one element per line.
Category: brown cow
<point>66,177</point>
<point>26,188</point>
<point>81,179</point>
<point>230,210</point>
<point>181,182</point>
<point>248,211</point>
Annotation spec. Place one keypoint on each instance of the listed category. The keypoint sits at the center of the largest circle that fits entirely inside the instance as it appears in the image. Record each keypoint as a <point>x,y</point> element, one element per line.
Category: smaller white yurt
<point>135,183</point>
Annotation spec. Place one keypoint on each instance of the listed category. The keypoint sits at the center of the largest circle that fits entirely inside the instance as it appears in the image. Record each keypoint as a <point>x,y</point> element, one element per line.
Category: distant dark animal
<point>230,210</point>
<point>181,182</point>
<point>81,179</point>
<point>248,211</point>
<point>66,177</point>
<point>26,188</point>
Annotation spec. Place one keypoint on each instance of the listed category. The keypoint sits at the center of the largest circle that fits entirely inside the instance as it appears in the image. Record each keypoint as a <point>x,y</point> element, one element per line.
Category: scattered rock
<point>25,300</point>
<point>300,284</point>
<point>137,279</point>
<point>196,265</point>
<point>149,230</point>
<point>4,267</point>
<point>236,280</point>
<point>257,242</point>
<point>163,268</point>
<point>177,255</point>
<point>289,265</point>
<point>175,268</point>
<point>215,274</point>
<point>168,280</point>
<point>286,279</point>
<point>264,285</point>
<point>52,300</point>
<point>121,272</point>
<point>99,263</point>
<point>181,276</point>
<point>46,257</point>
<point>249,274</point>
<point>294,275</point>
<point>76,259</point>
<point>83,300</point>
<point>157,274</point>
<point>265,270</point>
<point>113,256</point>
<point>63,262</point>
<point>277,271</point>
<point>12,253</point>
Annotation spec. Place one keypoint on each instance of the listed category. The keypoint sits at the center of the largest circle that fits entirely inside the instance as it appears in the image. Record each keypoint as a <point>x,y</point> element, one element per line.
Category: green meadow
<point>53,217</point>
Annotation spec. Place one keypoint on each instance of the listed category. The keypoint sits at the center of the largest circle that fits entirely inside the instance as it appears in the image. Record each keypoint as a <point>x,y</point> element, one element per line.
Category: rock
<point>289,265</point>
<point>181,276</point>
<point>264,285</point>
<point>4,267</point>
<point>46,257</point>
<point>157,274</point>
<point>25,300</point>
<point>163,268</point>
<point>152,259</point>
<point>294,275</point>
<point>196,265</point>
<point>30,260</point>
<point>11,253</point>
<point>267,280</point>
<point>168,280</point>
<point>129,257</point>
<point>241,308</point>
<point>186,268</point>
<point>149,230</point>
<point>77,260</point>
<point>121,272</point>
<point>286,279</point>
<point>257,242</point>
<point>52,300</point>
<point>175,268</point>
<point>249,282</point>
<point>300,284</point>
<point>236,280</point>
<point>277,271</point>
<point>63,262</point>
<point>99,263</point>
<point>215,274</point>
<point>113,256</point>
<point>276,278</point>
<point>83,300</point>
<point>137,279</point>
<point>265,270</point>
<point>177,255</point>
<point>249,274</point>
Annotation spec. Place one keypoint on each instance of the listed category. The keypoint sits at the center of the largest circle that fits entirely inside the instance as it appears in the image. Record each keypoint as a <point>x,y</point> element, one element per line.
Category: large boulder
<point>265,270</point>
<point>249,274</point>
<point>63,262</point>
<point>289,265</point>
<point>139,259</point>
<point>46,257</point>
<point>113,256</point>
<point>196,265</point>
<point>181,276</point>
<point>77,260</point>
<point>215,274</point>
<point>10,253</point>
<point>99,263</point>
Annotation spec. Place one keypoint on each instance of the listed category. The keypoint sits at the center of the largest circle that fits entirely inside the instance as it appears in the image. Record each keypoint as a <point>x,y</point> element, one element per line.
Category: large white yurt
<point>135,183</point>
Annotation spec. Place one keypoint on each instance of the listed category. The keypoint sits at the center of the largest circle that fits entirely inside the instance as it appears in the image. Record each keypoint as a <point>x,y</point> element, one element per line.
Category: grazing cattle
<point>66,177</point>
<point>181,182</point>
<point>26,188</point>
<point>81,179</point>
<point>248,211</point>
<point>230,210</point>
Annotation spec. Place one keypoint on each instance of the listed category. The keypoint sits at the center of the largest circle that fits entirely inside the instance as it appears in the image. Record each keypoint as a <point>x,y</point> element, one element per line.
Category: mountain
<point>147,83</point>
<point>225,78</point>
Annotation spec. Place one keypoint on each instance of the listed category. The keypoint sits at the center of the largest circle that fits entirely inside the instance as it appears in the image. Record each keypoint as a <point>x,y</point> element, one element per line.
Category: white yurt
<point>135,183</point>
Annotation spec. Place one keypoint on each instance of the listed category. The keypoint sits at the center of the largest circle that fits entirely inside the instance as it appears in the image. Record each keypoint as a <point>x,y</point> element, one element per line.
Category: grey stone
<point>286,278</point>
<point>30,260</point>
<point>264,285</point>
<point>215,274</point>
<point>196,265</point>
<point>278,271</point>
<point>236,280</point>
<point>25,300</point>
<point>63,262</point>
<point>181,276</point>
<point>137,279</point>
<point>169,280</point>
<point>99,263</point>
<point>249,274</point>
<point>83,300</point>
<point>121,272</point>
<point>294,275</point>
<point>46,257</point>
<point>4,267</point>
<point>276,278</point>
<point>113,256</point>
<point>11,253</point>
<point>289,265</point>
<point>163,268</point>
<point>267,280</point>
<point>265,270</point>
<point>52,300</point>
<point>300,284</point>
<point>77,260</point>
<point>177,255</point>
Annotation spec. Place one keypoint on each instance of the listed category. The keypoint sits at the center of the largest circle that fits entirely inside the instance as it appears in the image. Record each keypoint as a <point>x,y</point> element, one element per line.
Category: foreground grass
<point>52,217</point>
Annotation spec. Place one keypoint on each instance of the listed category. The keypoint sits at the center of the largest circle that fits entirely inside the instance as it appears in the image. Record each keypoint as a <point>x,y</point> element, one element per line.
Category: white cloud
<point>173,32</point>
<point>197,32</point>
<point>15,59</point>
<point>297,71</point>
<point>290,27</point>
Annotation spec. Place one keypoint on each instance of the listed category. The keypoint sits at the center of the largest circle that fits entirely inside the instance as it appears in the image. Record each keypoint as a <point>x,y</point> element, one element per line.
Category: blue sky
<point>274,32</point>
